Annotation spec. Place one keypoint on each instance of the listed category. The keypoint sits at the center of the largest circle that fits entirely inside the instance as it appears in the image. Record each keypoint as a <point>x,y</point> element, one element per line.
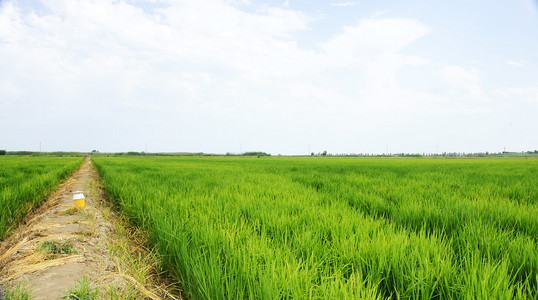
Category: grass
<point>135,264</point>
<point>336,227</point>
<point>20,292</point>
<point>70,211</point>
<point>25,182</point>
<point>91,222</point>
<point>136,274</point>
<point>53,248</point>
<point>83,290</point>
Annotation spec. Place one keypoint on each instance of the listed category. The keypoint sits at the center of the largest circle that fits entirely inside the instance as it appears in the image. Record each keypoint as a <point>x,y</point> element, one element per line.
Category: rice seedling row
<point>300,228</point>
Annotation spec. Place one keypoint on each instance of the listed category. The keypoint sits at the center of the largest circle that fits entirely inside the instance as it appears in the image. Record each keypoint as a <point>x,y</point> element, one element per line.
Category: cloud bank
<point>211,75</point>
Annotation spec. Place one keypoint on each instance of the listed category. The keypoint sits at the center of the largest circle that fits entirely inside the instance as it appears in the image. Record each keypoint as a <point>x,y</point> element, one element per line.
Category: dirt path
<point>47,273</point>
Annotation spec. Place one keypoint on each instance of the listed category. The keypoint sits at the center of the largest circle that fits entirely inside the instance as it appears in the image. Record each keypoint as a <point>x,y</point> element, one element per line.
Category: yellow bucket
<point>78,200</point>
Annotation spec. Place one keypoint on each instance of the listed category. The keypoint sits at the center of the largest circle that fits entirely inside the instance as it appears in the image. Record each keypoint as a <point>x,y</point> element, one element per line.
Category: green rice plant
<point>25,182</point>
<point>303,228</point>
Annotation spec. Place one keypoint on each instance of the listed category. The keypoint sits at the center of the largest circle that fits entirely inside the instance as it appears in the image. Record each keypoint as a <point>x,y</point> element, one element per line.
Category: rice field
<point>344,228</point>
<point>25,182</point>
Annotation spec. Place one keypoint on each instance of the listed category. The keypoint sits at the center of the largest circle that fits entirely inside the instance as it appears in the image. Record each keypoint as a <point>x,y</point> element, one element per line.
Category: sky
<point>283,77</point>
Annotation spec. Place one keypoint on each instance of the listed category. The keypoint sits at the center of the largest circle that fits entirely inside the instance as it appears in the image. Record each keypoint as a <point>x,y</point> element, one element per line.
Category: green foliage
<point>20,292</point>
<point>83,290</point>
<point>346,228</point>
<point>256,154</point>
<point>133,153</point>
<point>25,182</point>
<point>2,152</point>
<point>55,247</point>
<point>35,153</point>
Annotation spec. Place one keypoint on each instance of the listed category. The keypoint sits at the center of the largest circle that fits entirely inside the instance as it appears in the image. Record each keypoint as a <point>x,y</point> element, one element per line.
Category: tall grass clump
<point>347,228</point>
<point>25,182</point>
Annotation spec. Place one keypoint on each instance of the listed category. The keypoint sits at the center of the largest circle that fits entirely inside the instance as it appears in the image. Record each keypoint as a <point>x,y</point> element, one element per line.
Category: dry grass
<point>40,254</point>
<point>135,274</point>
<point>129,268</point>
<point>28,242</point>
<point>70,211</point>
<point>19,269</point>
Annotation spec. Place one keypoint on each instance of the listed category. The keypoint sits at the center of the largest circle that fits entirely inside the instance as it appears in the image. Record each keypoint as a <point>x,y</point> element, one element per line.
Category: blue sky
<point>282,77</point>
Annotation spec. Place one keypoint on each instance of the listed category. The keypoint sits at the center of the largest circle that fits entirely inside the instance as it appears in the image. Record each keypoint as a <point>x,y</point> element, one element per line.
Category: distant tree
<point>95,151</point>
<point>3,152</point>
<point>312,154</point>
<point>324,153</point>
<point>258,153</point>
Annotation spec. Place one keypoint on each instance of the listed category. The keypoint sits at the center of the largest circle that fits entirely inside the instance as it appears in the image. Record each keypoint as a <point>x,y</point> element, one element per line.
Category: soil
<point>48,276</point>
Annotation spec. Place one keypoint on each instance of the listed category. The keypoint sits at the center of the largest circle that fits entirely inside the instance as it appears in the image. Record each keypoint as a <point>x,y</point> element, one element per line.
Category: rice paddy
<point>303,228</point>
<point>25,182</point>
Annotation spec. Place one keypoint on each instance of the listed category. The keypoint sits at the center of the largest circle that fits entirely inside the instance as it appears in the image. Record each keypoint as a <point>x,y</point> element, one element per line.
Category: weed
<point>57,248</point>
<point>20,292</point>
<point>70,211</point>
<point>136,264</point>
<point>88,216</point>
<point>83,290</point>
<point>89,232</point>
<point>116,291</point>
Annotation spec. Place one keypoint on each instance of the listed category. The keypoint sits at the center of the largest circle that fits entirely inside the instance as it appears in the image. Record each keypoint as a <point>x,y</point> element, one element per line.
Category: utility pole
<point>39,147</point>
<point>146,149</point>
<point>309,149</point>
<point>240,149</point>
<point>387,149</point>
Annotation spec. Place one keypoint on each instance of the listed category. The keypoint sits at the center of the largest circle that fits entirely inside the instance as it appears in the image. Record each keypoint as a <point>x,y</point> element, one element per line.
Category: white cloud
<point>380,13</point>
<point>459,77</point>
<point>522,95</point>
<point>343,4</point>
<point>516,63</point>
<point>461,90</point>
<point>10,90</point>
<point>374,37</point>
<point>206,75</point>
